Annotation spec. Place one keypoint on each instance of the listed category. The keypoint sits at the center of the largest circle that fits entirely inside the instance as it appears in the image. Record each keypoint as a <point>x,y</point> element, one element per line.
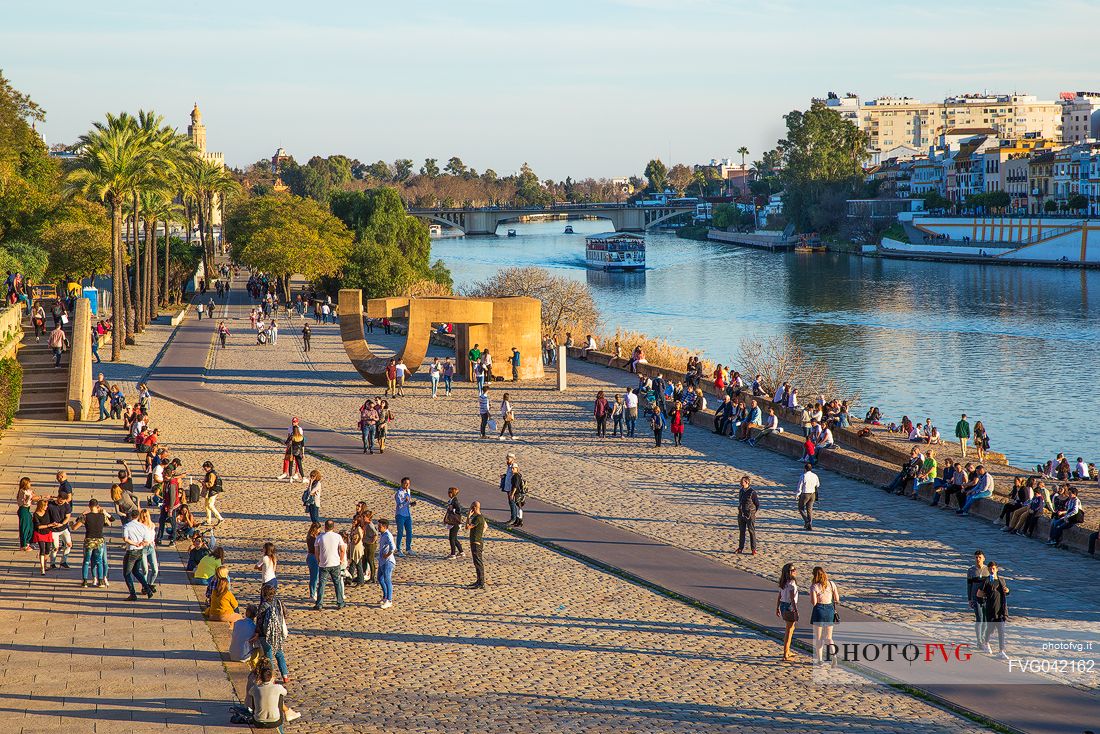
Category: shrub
<point>780,359</point>
<point>11,387</point>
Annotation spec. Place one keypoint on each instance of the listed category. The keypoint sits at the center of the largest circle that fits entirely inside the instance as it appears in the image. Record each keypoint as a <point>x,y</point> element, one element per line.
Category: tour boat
<point>568,229</point>
<point>810,243</point>
<point>511,233</point>
<point>615,251</point>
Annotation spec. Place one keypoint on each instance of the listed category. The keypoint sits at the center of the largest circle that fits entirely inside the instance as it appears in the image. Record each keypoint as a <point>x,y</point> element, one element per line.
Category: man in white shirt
<point>402,370</point>
<point>136,536</point>
<point>331,552</point>
<point>825,439</point>
<point>1082,470</point>
<point>807,493</point>
<point>630,400</point>
<point>771,425</point>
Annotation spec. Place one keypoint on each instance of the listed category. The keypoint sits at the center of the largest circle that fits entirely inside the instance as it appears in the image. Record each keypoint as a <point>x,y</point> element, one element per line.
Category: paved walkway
<point>741,593</point>
<point>80,660</point>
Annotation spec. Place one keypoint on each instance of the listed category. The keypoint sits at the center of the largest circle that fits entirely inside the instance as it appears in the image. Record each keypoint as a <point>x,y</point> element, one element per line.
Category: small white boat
<point>511,233</point>
<point>568,229</point>
<point>615,251</point>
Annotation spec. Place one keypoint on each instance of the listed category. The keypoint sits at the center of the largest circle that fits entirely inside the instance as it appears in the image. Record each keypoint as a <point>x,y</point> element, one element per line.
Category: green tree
<point>379,170</point>
<point>656,174</point>
<point>529,190</point>
<point>112,159</point>
<point>78,240</point>
<point>823,157</point>
<point>935,200</point>
<point>287,235</point>
<point>1050,206</point>
<point>1076,202</point>
<point>402,169</point>
<point>20,257</point>
<point>680,177</point>
<point>455,166</point>
<point>430,168</point>
<point>29,178</point>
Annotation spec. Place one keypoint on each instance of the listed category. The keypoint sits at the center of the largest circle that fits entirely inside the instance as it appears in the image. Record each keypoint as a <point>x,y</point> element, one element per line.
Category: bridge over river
<point>484,220</point>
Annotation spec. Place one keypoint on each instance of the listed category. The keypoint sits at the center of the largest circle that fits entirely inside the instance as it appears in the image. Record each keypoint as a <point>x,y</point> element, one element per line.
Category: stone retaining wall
<point>11,330</point>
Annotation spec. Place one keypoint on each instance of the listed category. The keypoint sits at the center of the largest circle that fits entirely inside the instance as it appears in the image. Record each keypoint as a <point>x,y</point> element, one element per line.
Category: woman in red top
<point>719,382</point>
<point>677,424</point>
<point>811,452</point>
<point>601,410</point>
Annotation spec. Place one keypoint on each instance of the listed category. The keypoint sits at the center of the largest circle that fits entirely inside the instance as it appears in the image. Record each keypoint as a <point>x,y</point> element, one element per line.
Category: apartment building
<point>904,121</point>
<point>1080,116</point>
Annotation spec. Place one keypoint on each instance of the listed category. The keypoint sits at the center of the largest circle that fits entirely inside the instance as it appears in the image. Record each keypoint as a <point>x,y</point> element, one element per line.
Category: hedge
<point>11,386</point>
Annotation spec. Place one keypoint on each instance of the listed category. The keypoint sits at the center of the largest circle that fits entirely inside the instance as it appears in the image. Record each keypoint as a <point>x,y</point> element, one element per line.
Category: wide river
<point>1016,347</point>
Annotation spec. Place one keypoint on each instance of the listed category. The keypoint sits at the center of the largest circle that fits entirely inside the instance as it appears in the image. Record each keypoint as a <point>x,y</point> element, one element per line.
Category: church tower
<point>197,130</point>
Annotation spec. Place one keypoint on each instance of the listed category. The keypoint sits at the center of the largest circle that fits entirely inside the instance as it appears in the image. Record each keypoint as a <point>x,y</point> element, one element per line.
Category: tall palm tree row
<point>204,184</point>
<point>136,166</point>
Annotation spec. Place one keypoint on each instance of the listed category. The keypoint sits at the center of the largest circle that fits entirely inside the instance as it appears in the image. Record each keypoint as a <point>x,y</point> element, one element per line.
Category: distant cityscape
<point>1043,154</point>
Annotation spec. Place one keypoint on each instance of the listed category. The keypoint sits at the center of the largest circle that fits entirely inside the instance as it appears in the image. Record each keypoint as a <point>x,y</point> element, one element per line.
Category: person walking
<point>981,441</point>
<point>95,345</point>
<point>43,532</point>
<point>600,411</point>
<point>962,432</point>
<point>311,497</point>
<point>657,422</point>
<point>24,498</point>
<point>404,502</point>
<point>452,518</point>
<point>332,554</point>
<point>223,333</point>
<point>387,550</point>
<point>306,334</point>
<point>58,342</point>
<point>506,417</point>
<point>382,429</point>
<point>39,320</point>
<point>976,577</point>
<point>293,454</point>
<point>676,424</point>
<point>368,421</point>
<point>212,483</point>
<point>617,412</point>
<point>136,536</point>
<point>992,596</point>
<point>476,524</point>
<point>199,309</point>
<point>483,407</point>
<point>391,378</point>
<point>786,606</point>
<point>311,559</point>
<point>748,503</point>
<point>101,391</point>
<point>823,597</point>
<point>435,371</point>
<point>807,494</point>
<point>448,375</point>
<point>402,373</point>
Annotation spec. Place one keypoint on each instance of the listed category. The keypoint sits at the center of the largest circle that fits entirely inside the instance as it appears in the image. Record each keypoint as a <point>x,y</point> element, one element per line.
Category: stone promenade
<point>892,558</point>
<point>80,660</point>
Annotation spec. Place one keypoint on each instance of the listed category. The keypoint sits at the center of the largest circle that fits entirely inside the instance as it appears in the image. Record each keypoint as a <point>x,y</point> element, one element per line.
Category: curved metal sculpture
<point>497,323</point>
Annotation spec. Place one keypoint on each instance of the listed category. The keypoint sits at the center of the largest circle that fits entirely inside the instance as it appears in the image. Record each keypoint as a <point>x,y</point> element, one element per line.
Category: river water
<point>1016,347</point>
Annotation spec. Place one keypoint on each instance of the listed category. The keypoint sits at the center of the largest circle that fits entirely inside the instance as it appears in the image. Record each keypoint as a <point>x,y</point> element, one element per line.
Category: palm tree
<point>204,183</point>
<point>742,151</point>
<point>111,159</point>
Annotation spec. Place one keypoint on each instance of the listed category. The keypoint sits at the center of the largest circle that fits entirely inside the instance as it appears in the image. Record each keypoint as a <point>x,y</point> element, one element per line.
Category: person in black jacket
<point>993,596</point>
<point>453,520</point>
<point>747,505</point>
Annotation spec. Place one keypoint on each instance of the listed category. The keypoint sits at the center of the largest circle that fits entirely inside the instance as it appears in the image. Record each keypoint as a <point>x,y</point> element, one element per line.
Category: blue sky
<point>575,88</point>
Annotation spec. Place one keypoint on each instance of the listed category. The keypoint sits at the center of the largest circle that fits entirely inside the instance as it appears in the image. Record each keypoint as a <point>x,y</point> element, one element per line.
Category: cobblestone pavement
<point>552,645</point>
<point>892,557</point>
<point>85,660</point>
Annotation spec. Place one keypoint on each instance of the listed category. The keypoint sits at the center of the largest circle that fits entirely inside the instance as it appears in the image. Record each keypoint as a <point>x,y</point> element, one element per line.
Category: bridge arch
<point>443,221</point>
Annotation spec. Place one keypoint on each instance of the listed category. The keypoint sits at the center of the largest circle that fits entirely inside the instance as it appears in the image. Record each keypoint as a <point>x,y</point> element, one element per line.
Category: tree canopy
<point>823,157</point>
<point>285,234</point>
<point>656,173</point>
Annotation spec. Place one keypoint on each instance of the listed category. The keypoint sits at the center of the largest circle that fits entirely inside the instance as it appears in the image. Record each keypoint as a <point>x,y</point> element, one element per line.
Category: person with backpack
<point>212,483</point>
<point>657,422</point>
<point>311,496</point>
